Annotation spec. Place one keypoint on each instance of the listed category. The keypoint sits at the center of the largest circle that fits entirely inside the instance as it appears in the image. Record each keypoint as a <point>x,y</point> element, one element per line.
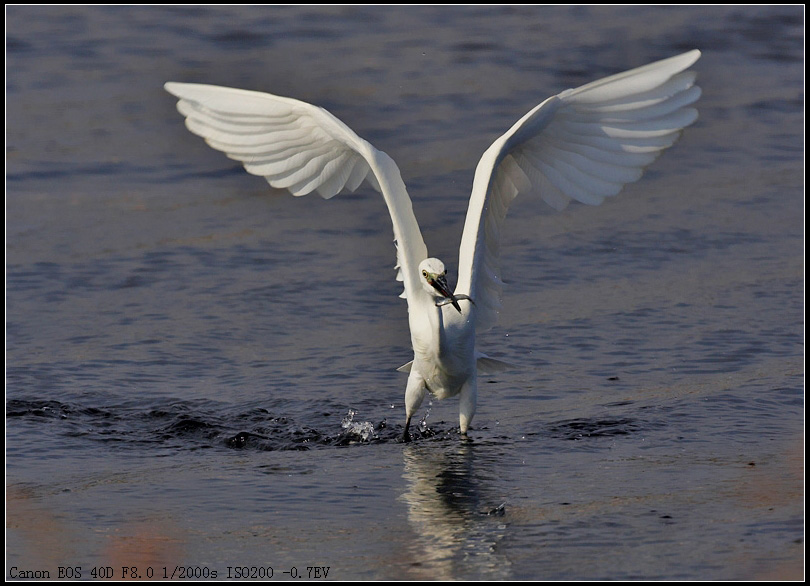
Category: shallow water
<point>196,382</point>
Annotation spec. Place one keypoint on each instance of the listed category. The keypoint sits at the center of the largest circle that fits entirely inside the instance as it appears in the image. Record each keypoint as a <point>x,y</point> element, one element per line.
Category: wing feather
<point>301,148</point>
<point>583,144</point>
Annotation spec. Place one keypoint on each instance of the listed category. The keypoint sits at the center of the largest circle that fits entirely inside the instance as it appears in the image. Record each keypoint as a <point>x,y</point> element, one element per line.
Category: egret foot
<point>406,435</point>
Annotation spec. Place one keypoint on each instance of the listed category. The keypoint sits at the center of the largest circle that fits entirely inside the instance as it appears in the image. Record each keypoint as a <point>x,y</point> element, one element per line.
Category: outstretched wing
<point>302,148</point>
<point>583,144</point>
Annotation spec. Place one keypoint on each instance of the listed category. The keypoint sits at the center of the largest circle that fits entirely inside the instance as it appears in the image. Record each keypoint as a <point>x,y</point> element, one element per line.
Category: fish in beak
<point>439,282</point>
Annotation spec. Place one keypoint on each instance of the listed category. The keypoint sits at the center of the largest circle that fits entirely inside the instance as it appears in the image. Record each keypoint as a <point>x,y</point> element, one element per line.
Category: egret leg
<point>406,435</point>
<point>414,394</point>
<point>467,401</point>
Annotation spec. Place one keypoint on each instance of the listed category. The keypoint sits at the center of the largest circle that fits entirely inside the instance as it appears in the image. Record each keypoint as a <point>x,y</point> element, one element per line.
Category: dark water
<point>196,382</point>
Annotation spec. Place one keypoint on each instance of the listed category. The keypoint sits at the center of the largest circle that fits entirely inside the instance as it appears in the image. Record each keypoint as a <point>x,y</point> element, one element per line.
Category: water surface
<point>174,401</point>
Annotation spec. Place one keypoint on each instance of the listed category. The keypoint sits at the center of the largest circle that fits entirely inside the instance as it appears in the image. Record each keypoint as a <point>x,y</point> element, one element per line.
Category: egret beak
<point>439,282</point>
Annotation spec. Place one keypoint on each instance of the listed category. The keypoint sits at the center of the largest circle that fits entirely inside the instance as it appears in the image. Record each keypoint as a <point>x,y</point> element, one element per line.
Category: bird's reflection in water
<point>457,523</point>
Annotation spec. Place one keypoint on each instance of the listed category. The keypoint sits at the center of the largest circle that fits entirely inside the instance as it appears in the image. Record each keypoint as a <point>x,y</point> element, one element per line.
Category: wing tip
<point>174,87</point>
<point>694,55</point>
<point>684,60</point>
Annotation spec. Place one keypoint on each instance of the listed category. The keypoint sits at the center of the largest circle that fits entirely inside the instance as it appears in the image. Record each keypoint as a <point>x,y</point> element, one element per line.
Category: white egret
<point>583,144</point>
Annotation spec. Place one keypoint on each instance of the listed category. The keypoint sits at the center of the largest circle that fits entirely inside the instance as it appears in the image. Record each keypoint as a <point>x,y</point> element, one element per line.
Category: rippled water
<point>196,381</point>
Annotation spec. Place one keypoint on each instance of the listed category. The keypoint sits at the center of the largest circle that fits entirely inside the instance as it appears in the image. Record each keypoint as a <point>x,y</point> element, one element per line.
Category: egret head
<point>434,280</point>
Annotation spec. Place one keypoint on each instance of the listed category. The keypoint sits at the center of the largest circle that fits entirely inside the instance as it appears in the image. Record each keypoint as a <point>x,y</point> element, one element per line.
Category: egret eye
<point>445,272</point>
<point>424,274</point>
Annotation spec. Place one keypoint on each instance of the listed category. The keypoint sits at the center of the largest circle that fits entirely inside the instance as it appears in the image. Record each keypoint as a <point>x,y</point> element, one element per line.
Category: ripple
<point>192,426</point>
<point>582,428</point>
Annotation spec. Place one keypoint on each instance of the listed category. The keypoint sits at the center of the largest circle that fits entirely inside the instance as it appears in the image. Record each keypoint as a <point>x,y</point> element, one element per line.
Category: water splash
<point>364,430</point>
<point>201,425</point>
<point>423,426</point>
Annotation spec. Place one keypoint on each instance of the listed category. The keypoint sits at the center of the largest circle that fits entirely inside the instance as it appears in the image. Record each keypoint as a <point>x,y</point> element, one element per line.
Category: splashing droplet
<point>423,426</point>
<point>348,418</point>
<point>364,429</point>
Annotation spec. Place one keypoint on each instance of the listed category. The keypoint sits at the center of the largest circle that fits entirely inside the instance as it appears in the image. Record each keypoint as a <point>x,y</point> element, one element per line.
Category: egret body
<point>583,144</point>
